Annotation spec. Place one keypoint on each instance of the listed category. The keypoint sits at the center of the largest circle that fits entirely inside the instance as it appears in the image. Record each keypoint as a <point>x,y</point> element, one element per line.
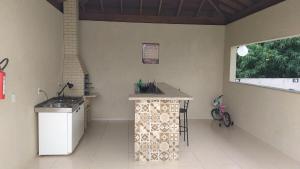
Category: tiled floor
<point>109,145</point>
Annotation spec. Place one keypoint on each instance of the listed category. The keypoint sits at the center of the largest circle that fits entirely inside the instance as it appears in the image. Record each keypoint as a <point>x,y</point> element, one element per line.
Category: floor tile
<point>109,145</point>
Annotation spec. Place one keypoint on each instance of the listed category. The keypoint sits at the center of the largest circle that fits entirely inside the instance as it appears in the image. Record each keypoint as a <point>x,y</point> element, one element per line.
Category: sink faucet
<point>69,85</point>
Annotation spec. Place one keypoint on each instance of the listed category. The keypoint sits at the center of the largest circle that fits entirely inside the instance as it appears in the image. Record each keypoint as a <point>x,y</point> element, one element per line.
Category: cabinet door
<point>53,133</point>
<point>81,120</point>
<point>75,128</point>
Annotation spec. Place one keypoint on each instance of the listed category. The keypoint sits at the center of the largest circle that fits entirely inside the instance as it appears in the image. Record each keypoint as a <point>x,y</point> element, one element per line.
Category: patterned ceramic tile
<point>154,127</point>
<point>155,118</point>
<point>156,130</point>
<point>154,147</point>
<point>154,156</point>
<point>164,156</point>
<point>164,127</point>
<point>137,138</point>
<point>145,137</point>
<point>155,136</point>
<point>164,137</point>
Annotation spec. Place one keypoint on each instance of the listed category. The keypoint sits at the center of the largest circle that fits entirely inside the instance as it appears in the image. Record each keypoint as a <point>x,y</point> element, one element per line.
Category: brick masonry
<point>73,70</point>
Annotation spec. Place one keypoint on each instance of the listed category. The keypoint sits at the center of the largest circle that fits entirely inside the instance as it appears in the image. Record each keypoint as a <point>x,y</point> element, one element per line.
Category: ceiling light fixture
<point>242,50</point>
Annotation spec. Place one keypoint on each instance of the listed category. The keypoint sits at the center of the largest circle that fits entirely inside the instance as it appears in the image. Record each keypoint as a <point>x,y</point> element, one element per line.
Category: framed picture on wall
<point>150,53</point>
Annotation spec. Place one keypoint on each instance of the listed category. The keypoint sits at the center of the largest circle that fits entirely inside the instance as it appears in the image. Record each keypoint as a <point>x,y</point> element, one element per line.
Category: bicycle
<point>218,112</point>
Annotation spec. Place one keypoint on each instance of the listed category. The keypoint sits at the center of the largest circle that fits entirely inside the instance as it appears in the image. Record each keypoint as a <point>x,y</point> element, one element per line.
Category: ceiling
<point>202,12</point>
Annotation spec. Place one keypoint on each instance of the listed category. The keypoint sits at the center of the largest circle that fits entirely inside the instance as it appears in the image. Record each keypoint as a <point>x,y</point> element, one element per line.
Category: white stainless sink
<point>59,104</point>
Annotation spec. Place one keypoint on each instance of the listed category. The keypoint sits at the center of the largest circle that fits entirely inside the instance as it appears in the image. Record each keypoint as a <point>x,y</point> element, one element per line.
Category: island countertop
<point>169,93</point>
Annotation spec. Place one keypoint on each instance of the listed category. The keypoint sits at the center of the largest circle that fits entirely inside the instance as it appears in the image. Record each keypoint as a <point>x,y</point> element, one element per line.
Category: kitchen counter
<point>90,96</point>
<point>157,124</point>
<point>169,93</point>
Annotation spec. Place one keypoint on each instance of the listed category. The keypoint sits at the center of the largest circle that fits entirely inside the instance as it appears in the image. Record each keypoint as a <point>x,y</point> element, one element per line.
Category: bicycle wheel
<point>227,120</point>
<point>215,113</point>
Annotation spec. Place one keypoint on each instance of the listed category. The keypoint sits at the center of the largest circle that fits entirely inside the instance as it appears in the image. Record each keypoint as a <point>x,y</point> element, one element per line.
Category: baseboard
<point>126,119</point>
<point>197,117</point>
<point>110,119</point>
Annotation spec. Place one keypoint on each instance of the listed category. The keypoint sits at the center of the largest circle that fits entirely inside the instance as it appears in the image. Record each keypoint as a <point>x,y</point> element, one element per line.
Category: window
<point>273,63</point>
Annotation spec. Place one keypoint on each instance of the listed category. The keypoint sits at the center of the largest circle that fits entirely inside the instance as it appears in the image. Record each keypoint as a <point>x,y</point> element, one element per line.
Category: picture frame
<point>150,53</point>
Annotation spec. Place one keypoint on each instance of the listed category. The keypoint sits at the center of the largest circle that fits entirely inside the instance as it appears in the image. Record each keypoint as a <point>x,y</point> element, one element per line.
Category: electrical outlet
<point>13,98</point>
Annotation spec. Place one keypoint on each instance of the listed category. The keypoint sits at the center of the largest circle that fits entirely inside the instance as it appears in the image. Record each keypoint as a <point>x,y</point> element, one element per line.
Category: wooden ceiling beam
<point>57,5</point>
<point>200,8</point>
<point>242,3</point>
<point>82,4</point>
<point>235,4</point>
<point>159,7</point>
<point>229,7</point>
<point>101,5</point>
<point>232,4</point>
<point>262,4</point>
<point>179,9</point>
<point>121,6</point>
<point>214,5</point>
<point>204,20</point>
<point>226,9</point>
<point>141,7</point>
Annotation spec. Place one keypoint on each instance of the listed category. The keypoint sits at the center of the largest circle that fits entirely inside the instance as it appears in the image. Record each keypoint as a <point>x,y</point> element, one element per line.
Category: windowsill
<point>268,87</point>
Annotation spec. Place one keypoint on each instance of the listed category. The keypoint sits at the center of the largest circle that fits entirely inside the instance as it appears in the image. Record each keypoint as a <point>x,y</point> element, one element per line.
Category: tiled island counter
<point>157,124</point>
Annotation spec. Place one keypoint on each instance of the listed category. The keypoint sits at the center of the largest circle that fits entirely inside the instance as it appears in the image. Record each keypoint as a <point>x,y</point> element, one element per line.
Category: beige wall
<point>271,115</point>
<point>31,37</point>
<point>191,58</point>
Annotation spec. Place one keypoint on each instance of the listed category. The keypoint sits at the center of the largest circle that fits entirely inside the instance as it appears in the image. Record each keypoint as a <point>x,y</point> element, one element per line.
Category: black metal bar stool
<point>185,127</point>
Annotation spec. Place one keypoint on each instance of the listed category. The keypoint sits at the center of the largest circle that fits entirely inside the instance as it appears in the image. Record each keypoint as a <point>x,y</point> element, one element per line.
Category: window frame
<point>232,66</point>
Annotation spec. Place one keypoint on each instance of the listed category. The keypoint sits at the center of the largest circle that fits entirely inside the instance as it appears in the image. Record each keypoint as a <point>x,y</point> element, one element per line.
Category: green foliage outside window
<point>275,59</point>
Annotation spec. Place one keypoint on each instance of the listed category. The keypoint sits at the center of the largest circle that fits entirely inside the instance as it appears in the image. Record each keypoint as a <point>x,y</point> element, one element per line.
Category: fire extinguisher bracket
<point>3,65</point>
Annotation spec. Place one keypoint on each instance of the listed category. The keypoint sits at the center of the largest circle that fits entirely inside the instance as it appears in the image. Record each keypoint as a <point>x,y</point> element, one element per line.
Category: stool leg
<point>184,129</point>
<point>179,125</point>
<point>187,129</point>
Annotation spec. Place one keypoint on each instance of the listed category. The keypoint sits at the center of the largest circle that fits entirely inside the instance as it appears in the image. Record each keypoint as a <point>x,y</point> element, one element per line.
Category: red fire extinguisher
<point>2,78</point>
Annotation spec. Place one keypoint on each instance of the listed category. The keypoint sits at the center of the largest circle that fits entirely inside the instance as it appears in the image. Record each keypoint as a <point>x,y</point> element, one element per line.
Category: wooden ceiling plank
<point>179,9</point>
<point>217,20</point>
<point>121,6</point>
<point>214,5</point>
<point>241,2</point>
<point>229,7</point>
<point>234,4</point>
<point>200,8</point>
<point>141,7</point>
<point>159,7</point>
<point>228,10</point>
<point>57,4</point>
<point>255,8</point>
<point>82,4</point>
<point>101,5</point>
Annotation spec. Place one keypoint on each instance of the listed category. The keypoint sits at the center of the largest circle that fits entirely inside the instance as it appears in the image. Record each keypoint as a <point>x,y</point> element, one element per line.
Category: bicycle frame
<point>218,104</point>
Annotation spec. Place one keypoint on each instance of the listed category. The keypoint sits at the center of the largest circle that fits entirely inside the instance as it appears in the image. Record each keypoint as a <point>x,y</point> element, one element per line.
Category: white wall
<point>31,37</point>
<point>271,115</point>
<point>191,58</point>
<point>276,83</point>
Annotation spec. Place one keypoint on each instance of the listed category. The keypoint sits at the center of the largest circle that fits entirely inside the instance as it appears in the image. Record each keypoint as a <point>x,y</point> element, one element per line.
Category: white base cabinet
<point>60,133</point>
